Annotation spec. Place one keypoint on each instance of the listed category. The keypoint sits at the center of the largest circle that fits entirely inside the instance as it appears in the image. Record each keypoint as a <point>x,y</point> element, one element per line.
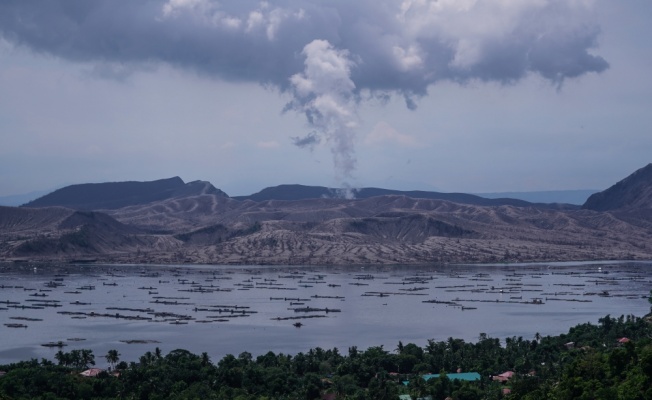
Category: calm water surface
<point>226,309</point>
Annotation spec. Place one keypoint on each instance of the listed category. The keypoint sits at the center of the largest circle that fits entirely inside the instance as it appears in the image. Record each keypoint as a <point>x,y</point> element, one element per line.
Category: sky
<point>449,95</point>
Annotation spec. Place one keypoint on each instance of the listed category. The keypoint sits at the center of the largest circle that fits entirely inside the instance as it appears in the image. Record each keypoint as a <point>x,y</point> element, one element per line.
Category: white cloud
<point>474,28</point>
<point>270,20</point>
<point>327,69</point>
<point>409,58</point>
<point>255,20</point>
<point>175,6</point>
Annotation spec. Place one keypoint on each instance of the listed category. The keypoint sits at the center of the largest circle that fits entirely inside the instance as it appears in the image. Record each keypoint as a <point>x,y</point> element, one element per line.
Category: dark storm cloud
<point>327,55</point>
<point>397,47</point>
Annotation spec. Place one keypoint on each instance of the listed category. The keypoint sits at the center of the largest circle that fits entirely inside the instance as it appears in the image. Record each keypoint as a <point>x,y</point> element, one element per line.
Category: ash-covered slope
<point>114,195</point>
<point>198,224</point>
<point>57,232</point>
<point>633,192</point>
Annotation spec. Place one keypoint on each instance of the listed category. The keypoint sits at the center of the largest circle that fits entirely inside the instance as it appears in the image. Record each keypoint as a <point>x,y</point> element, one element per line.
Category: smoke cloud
<point>328,55</point>
<point>324,92</point>
<point>309,141</point>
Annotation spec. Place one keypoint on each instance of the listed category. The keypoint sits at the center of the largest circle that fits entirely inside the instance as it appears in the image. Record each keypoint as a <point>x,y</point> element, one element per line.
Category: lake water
<point>227,309</point>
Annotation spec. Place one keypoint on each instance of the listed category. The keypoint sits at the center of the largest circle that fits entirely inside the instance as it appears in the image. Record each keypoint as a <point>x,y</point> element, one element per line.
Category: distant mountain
<point>301,192</point>
<point>170,221</point>
<point>461,198</point>
<point>18,199</point>
<point>291,192</point>
<point>114,195</point>
<point>575,197</point>
<point>633,192</point>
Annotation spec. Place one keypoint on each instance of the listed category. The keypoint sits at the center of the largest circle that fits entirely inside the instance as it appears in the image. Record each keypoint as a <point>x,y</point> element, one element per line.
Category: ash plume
<point>324,92</point>
<point>309,141</point>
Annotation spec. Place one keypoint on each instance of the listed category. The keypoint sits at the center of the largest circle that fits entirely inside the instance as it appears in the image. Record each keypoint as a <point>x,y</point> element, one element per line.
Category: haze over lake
<point>232,309</point>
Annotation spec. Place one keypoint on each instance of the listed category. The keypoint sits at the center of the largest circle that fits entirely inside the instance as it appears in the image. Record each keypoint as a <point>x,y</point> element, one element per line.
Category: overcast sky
<point>449,95</point>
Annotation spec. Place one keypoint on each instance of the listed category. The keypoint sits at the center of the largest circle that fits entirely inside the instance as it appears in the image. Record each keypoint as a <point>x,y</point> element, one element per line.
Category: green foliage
<point>112,357</point>
<point>597,367</point>
<point>80,359</point>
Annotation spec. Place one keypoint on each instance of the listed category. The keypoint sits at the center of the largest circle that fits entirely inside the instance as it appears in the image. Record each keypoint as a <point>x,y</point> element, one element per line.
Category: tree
<point>87,358</point>
<point>80,359</point>
<point>63,358</point>
<point>417,386</point>
<point>399,348</point>
<point>112,357</point>
<point>311,386</point>
<point>205,359</point>
<point>147,358</point>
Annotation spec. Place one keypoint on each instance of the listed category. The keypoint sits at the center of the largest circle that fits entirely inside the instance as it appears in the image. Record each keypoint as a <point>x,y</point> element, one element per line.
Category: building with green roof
<point>463,376</point>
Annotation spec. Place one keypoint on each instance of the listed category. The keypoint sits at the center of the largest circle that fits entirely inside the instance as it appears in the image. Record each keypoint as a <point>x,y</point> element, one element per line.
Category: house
<point>504,377</point>
<point>624,340</point>
<point>91,372</point>
<point>462,376</point>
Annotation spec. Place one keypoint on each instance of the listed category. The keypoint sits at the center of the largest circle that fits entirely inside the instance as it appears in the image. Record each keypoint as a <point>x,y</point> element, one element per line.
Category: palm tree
<point>112,357</point>
<point>205,359</point>
<point>537,337</point>
<point>87,358</point>
<point>147,358</point>
<point>62,358</point>
<point>399,349</point>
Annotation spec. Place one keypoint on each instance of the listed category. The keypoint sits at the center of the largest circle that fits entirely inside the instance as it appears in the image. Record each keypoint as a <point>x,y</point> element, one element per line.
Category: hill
<point>63,233</point>
<point>301,192</point>
<point>633,192</point>
<point>114,195</point>
<point>197,223</point>
<point>575,197</point>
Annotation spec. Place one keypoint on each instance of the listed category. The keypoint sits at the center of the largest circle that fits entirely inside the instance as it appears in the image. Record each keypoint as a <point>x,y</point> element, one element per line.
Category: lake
<point>231,309</point>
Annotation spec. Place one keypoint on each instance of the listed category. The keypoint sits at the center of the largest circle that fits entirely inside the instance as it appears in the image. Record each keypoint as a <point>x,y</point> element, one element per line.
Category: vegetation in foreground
<point>589,362</point>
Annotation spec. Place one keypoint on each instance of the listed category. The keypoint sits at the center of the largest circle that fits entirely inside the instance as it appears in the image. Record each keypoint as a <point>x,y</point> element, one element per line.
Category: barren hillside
<point>387,229</point>
<point>199,224</point>
<point>633,192</point>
